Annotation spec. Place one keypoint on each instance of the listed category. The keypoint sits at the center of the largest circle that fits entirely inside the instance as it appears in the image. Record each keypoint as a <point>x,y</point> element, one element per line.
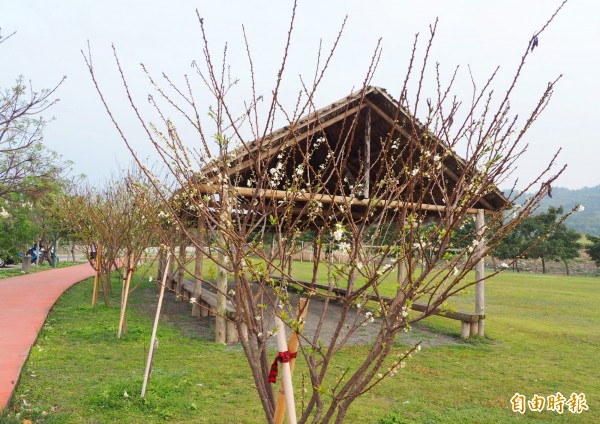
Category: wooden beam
<point>326,198</point>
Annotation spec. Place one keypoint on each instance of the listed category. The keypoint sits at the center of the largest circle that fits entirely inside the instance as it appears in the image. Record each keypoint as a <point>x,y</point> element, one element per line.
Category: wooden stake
<point>97,276</point>
<point>125,295</point>
<point>154,327</point>
<point>480,274</point>
<point>292,347</point>
<point>286,374</point>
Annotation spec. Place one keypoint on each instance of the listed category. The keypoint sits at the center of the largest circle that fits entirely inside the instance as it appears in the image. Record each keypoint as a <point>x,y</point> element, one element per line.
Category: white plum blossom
<point>193,300</point>
<point>344,247</point>
<point>579,208</point>
<point>338,234</point>
<point>383,269</point>
<point>404,311</point>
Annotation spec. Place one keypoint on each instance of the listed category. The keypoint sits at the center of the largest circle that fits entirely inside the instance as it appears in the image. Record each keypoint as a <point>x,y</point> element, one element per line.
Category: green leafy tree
<point>543,236</point>
<point>594,248</point>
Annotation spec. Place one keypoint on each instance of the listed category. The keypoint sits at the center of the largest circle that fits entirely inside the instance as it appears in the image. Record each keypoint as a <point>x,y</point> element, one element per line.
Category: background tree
<point>25,162</point>
<point>542,236</point>
<point>208,190</point>
<point>594,248</point>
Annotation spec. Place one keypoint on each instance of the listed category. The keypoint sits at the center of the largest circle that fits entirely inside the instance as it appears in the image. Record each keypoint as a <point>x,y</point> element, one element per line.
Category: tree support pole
<point>286,373</point>
<point>97,275</point>
<point>125,295</point>
<point>292,347</point>
<point>154,327</point>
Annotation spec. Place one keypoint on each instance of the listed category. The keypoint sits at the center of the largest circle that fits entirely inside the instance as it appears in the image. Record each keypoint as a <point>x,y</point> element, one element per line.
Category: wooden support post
<point>97,276</point>
<point>480,273</point>
<point>125,295</point>
<point>181,268</point>
<point>292,347</point>
<point>473,328</point>
<point>465,329</point>
<point>154,327</point>
<point>221,322</point>
<point>367,154</point>
<point>286,374</point>
<point>196,309</point>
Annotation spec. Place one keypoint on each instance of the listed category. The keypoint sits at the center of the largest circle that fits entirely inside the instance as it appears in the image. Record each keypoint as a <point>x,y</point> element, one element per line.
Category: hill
<point>585,222</point>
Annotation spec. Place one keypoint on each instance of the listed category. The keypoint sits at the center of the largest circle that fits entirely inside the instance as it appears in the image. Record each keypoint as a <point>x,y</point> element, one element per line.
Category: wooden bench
<point>208,306</point>
<point>207,299</point>
<point>469,321</point>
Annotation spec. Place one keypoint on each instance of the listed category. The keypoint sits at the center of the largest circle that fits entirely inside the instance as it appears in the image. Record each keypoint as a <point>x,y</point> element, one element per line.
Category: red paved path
<point>24,304</point>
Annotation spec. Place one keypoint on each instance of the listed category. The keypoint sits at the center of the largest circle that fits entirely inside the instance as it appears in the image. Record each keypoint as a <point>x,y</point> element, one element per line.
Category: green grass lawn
<point>542,337</point>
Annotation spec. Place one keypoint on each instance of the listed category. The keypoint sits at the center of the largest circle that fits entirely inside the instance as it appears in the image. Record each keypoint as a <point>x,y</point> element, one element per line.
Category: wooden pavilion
<point>370,131</point>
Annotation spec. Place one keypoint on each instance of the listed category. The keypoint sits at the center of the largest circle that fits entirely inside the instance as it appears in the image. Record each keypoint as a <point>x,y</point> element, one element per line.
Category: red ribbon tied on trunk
<point>282,357</point>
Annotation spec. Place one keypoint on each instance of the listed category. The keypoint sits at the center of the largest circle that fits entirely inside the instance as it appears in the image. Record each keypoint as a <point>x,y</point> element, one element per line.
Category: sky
<point>165,37</point>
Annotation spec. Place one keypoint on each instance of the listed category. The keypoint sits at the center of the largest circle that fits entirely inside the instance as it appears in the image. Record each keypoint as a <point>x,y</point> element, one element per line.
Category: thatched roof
<point>345,126</point>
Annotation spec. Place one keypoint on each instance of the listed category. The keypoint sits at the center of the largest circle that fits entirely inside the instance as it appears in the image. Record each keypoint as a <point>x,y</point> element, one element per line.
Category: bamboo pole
<point>125,295</point>
<point>154,327</point>
<point>328,199</point>
<point>480,274</point>
<point>286,374</point>
<point>292,347</point>
<point>97,276</point>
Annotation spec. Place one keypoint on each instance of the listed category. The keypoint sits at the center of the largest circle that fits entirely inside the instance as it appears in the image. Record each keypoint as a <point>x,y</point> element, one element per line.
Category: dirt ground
<point>178,313</point>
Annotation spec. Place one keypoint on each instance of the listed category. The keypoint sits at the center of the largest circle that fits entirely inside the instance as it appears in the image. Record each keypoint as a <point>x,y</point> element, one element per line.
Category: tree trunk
<point>566,266</point>
<point>543,265</point>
